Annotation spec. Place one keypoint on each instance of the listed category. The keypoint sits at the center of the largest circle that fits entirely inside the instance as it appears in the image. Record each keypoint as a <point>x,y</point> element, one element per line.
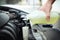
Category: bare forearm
<point>47,8</point>
<point>50,2</point>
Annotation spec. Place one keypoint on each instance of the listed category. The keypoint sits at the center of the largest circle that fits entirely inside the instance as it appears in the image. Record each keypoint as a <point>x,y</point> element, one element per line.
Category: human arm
<point>47,8</point>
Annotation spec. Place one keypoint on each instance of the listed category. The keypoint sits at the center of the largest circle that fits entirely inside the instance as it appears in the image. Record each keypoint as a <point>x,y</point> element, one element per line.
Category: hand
<point>48,16</point>
<point>47,8</point>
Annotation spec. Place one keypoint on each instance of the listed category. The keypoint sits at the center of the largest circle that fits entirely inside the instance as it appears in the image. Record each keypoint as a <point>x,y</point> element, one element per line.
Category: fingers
<point>48,17</point>
<point>47,12</point>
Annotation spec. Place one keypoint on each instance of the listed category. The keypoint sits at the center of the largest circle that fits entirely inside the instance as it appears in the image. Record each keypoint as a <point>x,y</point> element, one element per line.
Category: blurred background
<point>32,3</point>
<point>24,2</point>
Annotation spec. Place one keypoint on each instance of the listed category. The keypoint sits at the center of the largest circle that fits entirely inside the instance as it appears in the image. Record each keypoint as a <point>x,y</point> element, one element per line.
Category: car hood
<point>25,8</point>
